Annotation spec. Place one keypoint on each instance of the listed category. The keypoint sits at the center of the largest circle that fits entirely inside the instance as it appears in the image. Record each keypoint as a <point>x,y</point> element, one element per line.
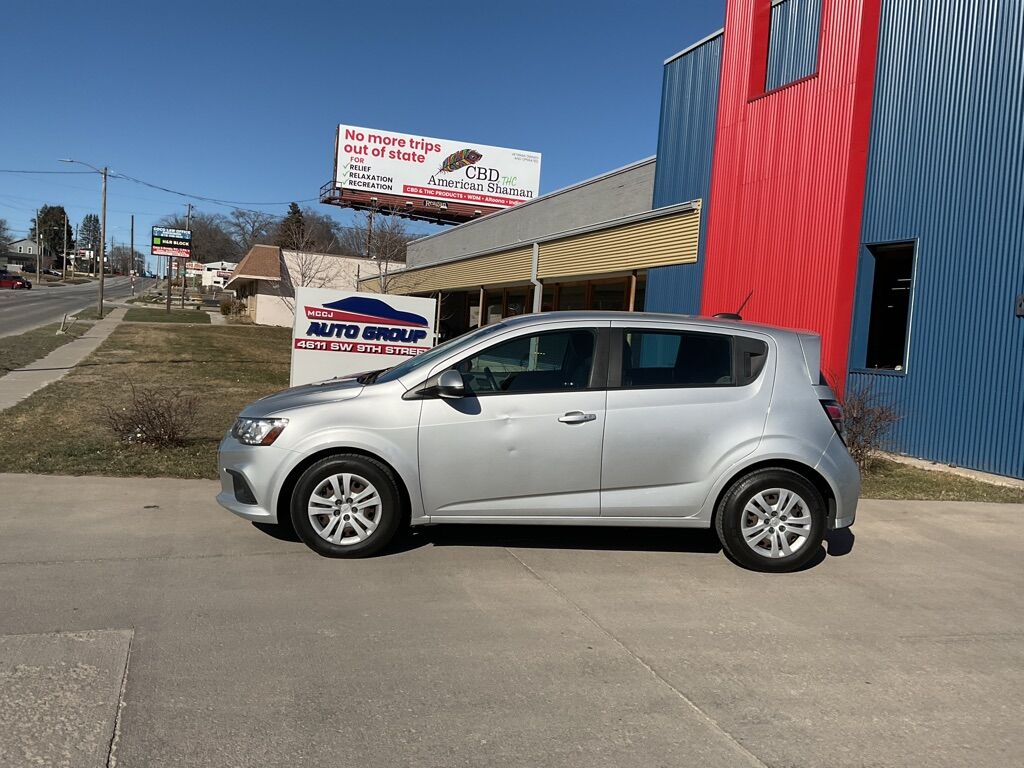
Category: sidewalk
<point>18,385</point>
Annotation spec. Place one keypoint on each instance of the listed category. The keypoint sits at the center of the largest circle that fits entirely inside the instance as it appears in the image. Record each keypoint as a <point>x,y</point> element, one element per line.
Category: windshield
<point>427,358</point>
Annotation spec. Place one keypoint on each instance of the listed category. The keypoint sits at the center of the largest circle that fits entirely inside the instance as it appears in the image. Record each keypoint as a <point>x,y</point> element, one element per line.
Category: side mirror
<point>450,385</point>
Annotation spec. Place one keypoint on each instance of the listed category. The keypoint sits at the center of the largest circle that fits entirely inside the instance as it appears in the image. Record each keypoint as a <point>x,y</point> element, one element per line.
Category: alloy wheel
<point>776,523</point>
<point>344,509</point>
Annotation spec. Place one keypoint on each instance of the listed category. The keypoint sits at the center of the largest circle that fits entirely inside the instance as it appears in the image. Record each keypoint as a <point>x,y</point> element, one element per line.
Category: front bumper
<point>260,469</point>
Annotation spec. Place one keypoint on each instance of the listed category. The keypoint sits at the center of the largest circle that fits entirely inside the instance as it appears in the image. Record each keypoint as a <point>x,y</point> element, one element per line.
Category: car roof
<point>716,323</point>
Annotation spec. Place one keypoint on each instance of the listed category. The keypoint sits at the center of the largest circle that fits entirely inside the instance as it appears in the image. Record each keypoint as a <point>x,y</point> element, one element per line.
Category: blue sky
<point>240,101</point>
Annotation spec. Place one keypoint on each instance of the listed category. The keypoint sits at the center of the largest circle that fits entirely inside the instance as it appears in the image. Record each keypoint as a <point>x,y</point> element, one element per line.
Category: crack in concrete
<point>749,756</point>
<point>115,736</point>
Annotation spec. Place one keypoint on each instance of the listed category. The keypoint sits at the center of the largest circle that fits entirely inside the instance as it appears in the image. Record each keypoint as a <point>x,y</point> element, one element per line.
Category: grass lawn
<point>62,429</point>
<point>89,313</point>
<point>19,350</point>
<point>145,315</point>
<point>892,480</point>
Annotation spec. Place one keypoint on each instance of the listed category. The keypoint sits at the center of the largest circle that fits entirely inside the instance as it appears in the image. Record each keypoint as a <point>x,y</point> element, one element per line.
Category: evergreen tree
<point>89,232</point>
<point>291,234</point>
<point>53,228</point>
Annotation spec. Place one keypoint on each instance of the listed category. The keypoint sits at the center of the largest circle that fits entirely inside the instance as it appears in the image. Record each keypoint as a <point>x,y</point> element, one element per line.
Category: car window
<point>539,362</point>
<point>427,358</point>
<point>676,359</point>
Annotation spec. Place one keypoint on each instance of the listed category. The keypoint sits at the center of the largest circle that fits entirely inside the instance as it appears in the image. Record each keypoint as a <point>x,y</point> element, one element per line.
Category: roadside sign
<point>340,333</point>
<point>168,241</point>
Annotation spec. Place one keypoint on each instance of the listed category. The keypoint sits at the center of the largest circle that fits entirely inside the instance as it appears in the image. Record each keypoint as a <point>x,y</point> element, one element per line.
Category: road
<point>22,311</point>
<point>143,625</point>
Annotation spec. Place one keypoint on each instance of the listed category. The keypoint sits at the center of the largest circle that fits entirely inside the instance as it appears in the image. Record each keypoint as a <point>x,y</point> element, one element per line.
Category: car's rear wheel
<point>771,520</point>
<point>346,506</point>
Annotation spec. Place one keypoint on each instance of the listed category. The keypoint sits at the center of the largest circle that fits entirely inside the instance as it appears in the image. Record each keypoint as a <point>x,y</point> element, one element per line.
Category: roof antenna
<point>735,315</point>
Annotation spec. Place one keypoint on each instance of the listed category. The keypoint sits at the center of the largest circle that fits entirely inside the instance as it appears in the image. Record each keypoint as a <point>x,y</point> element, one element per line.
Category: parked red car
<point>9,280</point>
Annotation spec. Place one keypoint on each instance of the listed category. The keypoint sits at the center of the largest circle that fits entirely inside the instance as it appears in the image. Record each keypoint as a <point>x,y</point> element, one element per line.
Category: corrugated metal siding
<point>787,182</point>
<point>793,41</point>
<point>494,269</point>
<point>653,243</point>
<point>686,140</point>
<point>946,167</point>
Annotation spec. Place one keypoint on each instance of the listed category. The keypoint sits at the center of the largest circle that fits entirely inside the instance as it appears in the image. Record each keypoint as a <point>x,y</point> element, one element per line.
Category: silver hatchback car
<point>566,418</point>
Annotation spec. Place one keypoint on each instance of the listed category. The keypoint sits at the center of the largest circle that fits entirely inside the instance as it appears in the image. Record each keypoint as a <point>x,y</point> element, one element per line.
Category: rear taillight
<point>834,411</point>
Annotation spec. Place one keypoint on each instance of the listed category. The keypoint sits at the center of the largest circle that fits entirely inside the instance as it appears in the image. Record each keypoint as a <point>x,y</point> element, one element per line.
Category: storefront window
<point>547,303</point>
<point>572,296</point>
<point>610,296</point>
<point>493,300</point>
<point>517,301</point>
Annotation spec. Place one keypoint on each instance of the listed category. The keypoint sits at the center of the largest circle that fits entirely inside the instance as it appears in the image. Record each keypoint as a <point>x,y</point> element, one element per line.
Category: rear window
<point>662,359</point>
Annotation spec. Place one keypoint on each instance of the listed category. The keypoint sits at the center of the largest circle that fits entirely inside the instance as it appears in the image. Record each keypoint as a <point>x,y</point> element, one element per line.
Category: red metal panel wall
<point>787,182</point>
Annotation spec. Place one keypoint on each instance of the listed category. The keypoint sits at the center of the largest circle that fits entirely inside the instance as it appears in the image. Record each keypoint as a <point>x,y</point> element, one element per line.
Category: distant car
<point>14,282</point>
<point>53,272</point>
<point>28,268</point>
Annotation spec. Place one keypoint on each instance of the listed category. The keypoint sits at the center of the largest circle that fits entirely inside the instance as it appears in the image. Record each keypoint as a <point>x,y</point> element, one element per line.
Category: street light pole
<point>103,231</point>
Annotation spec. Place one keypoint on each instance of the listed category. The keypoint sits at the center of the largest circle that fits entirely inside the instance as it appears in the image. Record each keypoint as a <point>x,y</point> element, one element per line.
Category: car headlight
<point>258,431</point>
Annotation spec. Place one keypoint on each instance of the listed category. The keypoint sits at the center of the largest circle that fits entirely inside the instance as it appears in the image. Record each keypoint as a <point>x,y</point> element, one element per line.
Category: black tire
<point>731,514</point>
<point>390,509</point>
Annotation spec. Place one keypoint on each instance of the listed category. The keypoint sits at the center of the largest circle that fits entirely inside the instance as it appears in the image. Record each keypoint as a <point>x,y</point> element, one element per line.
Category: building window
<point>891,299</point>
<point>19,249</point>
<point>792,42</point>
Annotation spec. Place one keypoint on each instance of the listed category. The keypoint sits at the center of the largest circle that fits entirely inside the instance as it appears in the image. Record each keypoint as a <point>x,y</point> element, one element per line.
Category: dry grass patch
<point>63,430</point>
<point>21,349</point>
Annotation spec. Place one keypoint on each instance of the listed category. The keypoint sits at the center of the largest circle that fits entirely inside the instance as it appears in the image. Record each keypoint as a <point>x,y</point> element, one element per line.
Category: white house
<point>266,279</point>
<point>217,273</point>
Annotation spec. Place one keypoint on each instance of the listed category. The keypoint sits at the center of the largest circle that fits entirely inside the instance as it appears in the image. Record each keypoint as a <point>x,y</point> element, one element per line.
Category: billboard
<point>434,173</point>
<point>340,333</point>
<point>168,241</point>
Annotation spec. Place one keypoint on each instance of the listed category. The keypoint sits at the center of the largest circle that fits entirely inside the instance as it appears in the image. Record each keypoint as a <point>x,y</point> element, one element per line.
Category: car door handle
<point>577,417</point>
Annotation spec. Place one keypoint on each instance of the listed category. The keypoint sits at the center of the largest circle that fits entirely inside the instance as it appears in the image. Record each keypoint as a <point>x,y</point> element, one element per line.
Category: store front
<point>599,267</point>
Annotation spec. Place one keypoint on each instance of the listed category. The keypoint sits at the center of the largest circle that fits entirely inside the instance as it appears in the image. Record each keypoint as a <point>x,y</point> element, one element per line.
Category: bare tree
<point>382,238</point>
<point>250,227</point>
<point>211,238</point>
<point>5,236</point>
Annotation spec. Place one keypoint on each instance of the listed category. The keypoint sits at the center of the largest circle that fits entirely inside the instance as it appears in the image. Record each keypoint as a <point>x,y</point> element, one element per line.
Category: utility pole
<point>131,263</point>
<point>64,270</point>
<point>77,249</point>
<point>103,246</point>
<point>184,271</point>
<point>39,253</point>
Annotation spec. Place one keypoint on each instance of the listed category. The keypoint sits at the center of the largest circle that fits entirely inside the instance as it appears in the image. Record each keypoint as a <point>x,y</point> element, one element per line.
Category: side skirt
<point>621,522</point>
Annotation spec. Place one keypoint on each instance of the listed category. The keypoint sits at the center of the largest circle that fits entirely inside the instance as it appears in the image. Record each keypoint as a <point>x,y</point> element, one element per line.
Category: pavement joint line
<point>115,736</point>
<point>152,557</point>
<point>704,716</point>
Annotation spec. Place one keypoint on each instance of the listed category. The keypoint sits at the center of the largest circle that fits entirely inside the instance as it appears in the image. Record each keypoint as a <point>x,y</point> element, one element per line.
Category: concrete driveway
<point>140,623</point>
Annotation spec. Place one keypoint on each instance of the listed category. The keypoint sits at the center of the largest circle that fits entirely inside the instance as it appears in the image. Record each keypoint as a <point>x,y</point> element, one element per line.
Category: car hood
<point>330,391</point>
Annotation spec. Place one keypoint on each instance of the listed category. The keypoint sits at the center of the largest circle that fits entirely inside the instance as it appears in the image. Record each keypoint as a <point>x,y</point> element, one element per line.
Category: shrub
<point>159,416</point>
<point>225,306</point>
<point>868,424</point>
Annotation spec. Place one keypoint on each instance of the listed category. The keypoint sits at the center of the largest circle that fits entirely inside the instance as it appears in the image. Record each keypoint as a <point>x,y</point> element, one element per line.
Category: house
<point>217,273</point>
<point>22,252</point>
<point>266,279</point>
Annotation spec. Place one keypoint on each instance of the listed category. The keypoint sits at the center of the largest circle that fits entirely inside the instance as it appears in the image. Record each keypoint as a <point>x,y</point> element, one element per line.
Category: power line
<point>219,201</point>
<point>64,173</point>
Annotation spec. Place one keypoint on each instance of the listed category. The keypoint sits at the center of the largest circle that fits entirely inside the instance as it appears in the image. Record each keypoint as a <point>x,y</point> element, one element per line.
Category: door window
<point>670,359</point>
<point>542,362</point>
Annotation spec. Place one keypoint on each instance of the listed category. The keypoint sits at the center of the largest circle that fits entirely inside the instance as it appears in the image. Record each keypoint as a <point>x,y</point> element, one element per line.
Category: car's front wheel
<point>771,520</point>
<point>346,506</point>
